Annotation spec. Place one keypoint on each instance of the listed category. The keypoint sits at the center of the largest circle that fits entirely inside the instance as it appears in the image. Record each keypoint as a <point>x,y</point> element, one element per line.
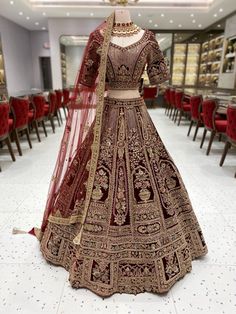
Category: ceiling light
<point>36,23</point>
<point>44,13</point>
<point>193,21</point>
<point>221,10</point>
<point>215,15</point>
<point>20,13</point>
<point>180,25</point>
<point>162,14</point>
<point>91,14</point>
<point>43,28</point>
<point>218,25</point>
<point>67,13</point>
<point>139,14</point>
<point>11,2</point>
<point>199,25</point>
<point>150,21</point>
<point>171,21</point>
<point>155,25</point>
<point>192,15</point>
<point>27,17</point>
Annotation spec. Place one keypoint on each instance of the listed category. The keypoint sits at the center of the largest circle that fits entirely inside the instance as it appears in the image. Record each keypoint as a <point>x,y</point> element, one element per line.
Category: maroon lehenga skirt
<point>140,233</point>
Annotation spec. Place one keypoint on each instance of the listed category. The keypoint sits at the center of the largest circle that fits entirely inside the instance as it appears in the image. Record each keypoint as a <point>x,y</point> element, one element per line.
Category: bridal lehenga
<point>121,219</point>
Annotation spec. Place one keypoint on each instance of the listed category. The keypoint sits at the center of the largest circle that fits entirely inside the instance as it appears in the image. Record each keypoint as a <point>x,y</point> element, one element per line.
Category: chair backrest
<point>195,103</point>
<point>4,115</point>
<point>208,108</point>
<point>52,102</point>
<point>39,102</point>
<point>59,95</point>
<point>178,99</point>
<point>231,122</point>
<point>66,96</point>
<point>149,92</point>
<point>20,108</point>
<point>172,97</point>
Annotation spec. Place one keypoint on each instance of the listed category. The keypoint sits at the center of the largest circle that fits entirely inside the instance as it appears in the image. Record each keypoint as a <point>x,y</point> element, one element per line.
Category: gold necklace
<point>125,29</point>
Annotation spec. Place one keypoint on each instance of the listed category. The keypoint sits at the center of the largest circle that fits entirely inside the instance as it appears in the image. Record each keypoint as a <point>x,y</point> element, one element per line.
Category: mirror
<point>71,49</point>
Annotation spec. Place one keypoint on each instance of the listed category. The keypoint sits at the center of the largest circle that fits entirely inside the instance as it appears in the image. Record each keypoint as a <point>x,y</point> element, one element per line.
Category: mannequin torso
<point>123,16</point>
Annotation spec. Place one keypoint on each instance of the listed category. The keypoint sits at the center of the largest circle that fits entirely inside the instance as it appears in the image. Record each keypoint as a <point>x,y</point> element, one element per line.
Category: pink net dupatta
<point>85,109</point>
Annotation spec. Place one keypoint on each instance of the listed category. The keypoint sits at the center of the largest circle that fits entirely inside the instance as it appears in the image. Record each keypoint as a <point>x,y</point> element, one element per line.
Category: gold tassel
<point>77,239</point>
<point>18,231</point>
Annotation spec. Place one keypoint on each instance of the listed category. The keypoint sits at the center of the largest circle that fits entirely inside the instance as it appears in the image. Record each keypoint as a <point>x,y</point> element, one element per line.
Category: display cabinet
<point>229,55</point>
<point>63,65</point>
<point>3,84</point>
<point>192,64</point>
<point>179,63</point>
<point>211,54</point>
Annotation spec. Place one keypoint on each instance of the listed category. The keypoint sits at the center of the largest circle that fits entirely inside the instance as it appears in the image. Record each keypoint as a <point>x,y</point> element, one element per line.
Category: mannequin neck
<point>122,16</point>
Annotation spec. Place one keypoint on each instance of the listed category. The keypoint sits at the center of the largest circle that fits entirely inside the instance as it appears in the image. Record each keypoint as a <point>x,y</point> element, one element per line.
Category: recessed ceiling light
<point>180,25</point>
<point>171,21</point>
<point>20,13</point>
<point>158,35</point>
<point>67,13</point>
<point>156,25</point>
<point>44,13</point>
<point>162,14</point>
<point>199,25</point>
<point>11,2</point>
<point>91,14</point>
<point>193,21</point>
<point>150,21</point>
<point>221,10</point>
<point>139,14</point>
<point>215,15</point>
<point>192,15</point>
<point>218,25</point>
<point>27,17</point>
<point>43,28</point>
<point>36,23</point>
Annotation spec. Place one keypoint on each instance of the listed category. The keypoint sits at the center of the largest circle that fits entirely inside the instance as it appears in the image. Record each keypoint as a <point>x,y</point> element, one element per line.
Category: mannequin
<point>123,16</point>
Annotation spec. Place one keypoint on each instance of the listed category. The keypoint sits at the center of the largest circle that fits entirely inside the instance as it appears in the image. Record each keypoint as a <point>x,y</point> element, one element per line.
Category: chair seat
<point>46,110</point>
<point>186,106</point>
<point>31,116</point>
<point>10,123</point>
<point>221,125</point>
<point>217,116</point>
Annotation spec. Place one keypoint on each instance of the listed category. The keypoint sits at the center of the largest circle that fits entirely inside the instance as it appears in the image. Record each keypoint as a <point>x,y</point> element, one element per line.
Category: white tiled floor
<point>28,284</point>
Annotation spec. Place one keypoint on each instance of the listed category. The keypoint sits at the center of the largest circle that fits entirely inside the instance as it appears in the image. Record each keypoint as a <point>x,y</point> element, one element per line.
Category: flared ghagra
<point>140,232</point>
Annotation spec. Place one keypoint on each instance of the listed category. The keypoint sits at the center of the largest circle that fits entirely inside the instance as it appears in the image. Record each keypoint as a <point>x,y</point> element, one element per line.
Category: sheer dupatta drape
<point>86,107</point>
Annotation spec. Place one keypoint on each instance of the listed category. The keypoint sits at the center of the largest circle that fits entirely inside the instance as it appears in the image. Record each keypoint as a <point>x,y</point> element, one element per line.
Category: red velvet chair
<point>172,102</point>
<point>38,102</point>
<point>215,126</point>
<point>196,107</point>
<point>21,116</point>
<point>150,94</point>
<point>50,108</point>
<point>178,103</point>
<point>167,100</point>
<point>6,125</point>
<point>66,100</point>
<point>230,132</point>
<point>59,96</point>
<point>185,107</point>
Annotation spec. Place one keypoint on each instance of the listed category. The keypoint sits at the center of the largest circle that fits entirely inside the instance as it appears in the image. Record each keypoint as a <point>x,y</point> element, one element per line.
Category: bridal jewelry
<point>125,29</point>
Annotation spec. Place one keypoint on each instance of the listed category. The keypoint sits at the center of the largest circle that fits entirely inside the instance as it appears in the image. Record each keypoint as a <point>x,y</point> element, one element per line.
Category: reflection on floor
<point>29,285</point>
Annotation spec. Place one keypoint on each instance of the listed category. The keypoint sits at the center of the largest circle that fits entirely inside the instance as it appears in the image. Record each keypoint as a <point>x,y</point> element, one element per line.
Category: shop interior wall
<point>38,39</point>
<point>17,55</point>
<point>63,26</point>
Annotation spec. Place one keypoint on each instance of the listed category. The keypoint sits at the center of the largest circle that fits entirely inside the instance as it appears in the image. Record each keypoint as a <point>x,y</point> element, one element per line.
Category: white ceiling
<point>159,14</point>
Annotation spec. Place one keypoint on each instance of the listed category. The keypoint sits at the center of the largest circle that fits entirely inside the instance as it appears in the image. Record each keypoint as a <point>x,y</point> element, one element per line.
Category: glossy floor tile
<point>28,284</point>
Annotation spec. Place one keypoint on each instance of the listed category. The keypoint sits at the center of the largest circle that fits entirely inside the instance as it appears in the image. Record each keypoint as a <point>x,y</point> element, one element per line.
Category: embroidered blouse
<point>125,65</point>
